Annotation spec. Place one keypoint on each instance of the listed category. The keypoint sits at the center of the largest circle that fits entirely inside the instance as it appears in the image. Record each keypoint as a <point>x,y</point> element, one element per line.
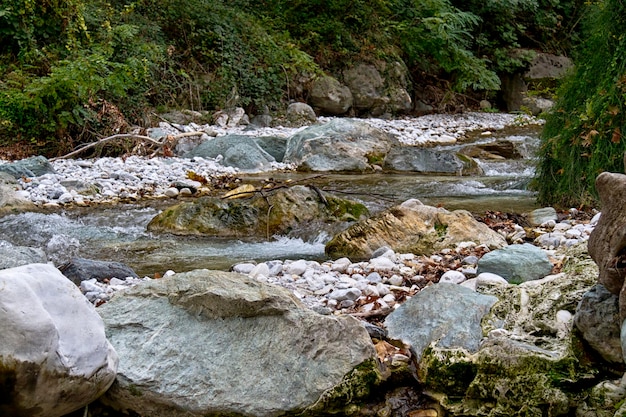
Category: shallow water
<point>119,233</point>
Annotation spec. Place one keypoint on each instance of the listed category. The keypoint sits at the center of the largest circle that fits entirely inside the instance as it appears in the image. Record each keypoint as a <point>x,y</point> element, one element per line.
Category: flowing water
<point>119,233</point>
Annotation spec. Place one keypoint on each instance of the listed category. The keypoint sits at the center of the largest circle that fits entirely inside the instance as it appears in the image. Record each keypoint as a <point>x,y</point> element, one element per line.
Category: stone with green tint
<point>516,263</point>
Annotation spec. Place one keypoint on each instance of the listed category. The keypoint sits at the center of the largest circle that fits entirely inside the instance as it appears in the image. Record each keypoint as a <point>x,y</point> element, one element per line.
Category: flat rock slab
<point>218,343</point>
<point>516,263</point>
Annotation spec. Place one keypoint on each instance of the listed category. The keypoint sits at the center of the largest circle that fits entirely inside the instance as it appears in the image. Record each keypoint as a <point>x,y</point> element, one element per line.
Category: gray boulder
<point>548,66</point>
<point>597,318</point>
<point>219,343</point>
<point>273,145</point>
<point>55,358</point>
<point>379,87</point>
<point>330,96</point>
<point>78,270</point>
<point>300,114</point>
<point>237,151</point>
<point>444,315</point>
<point>12,256</point>
<point>516,263</point>
<point>339,145</point>
<point>413,159</point>
<point>34,166</point>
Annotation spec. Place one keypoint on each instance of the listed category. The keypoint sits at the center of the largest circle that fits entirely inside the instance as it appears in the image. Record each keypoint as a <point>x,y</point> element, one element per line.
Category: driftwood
<point>161,145</point>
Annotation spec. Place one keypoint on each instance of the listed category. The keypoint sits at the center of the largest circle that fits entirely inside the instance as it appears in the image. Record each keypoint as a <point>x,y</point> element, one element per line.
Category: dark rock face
<point>607,243</point>
<point>81,269</point>
<point>34,166</point>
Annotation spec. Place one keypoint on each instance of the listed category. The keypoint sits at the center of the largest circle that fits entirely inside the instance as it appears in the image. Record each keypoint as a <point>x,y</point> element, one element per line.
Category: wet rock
<point>273,145</point>
<point>81,269</point>
<point>255,350</point>
<point>411,228</point>
<point>516,263</point>
<point>12,198</point>
<point>330,96</point>
<point>597,318</point>
<point>55,359</point>
<point>290,207</point>
<point>339,145</point>
<point>410,158</point>
<point>237,151</point>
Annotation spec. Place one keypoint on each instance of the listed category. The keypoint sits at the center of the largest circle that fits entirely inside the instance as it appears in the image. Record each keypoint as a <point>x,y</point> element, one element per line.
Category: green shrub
<point>583,135</point>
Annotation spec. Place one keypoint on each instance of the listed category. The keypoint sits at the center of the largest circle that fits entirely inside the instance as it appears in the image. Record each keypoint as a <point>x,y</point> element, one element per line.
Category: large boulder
<point>263,215</point>
<point>527,360</point>
<point>414,228</point>
<point>429,161</point>
<point>300,114</point>
<point>54,356</point>
<point>607,243</point>
<point>516,263</point>
<point>237,151</point>
<point>330,96</point>
<point>378,87</point>
<point>342,144</point>
<point>218,343</point>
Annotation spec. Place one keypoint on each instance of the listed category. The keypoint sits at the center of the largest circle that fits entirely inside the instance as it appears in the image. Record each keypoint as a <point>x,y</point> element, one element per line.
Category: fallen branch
<point>169,140</point>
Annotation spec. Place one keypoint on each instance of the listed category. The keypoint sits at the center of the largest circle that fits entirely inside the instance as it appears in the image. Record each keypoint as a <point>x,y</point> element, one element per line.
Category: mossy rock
<point>529,363</point>
<point>263,215</point>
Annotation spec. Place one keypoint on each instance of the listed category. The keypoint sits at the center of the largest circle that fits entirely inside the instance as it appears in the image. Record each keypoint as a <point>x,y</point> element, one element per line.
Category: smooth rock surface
<point>237,151</point>
<point>81,269</point>
<point>54,356</point>
<point>444,315</point>
<point>330,96</point>
<point>516,263</point>
<point>12,256</point>
<point>217,343</point>
<point>339,145</point>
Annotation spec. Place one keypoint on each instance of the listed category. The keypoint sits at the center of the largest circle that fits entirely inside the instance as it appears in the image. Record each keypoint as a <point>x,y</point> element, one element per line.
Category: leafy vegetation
<point>583,136</point>
<point>73,70</point>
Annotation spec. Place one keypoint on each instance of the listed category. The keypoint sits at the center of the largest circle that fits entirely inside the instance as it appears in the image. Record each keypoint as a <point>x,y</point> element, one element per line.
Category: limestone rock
<point>546,66</point>
<point>411,228</point>
<point>516,263</point>
<point>10,200</point>
<point>218,343</point>
<point>339,145</point>
<point>290,209</point>
<point>55,358</point>
<point>273,145</point>
<point>444,315</point>
<point>542,215</point>
<point>237,151</point>
<point>607,242</point>
<point>330,96</point>
<point>527,357</point>
<point>366,85</point>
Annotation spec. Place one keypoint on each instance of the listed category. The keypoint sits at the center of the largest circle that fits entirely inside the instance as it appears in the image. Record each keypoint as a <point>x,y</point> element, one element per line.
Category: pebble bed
<point>104,180</point>
<point>335,287</point>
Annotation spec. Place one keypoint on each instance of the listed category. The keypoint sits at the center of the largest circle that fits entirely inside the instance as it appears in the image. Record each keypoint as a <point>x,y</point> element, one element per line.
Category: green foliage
<point>583,137</point>
<point>61,60</point>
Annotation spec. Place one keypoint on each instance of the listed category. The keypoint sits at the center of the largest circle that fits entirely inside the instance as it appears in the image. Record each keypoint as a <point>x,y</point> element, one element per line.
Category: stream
<point>118,233</point>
